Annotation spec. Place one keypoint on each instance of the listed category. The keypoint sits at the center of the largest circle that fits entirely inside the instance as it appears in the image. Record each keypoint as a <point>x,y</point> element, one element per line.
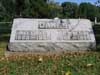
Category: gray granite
<point>51,35</point>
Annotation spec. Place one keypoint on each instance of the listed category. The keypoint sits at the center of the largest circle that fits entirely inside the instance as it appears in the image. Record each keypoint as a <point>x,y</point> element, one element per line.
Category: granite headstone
<point>51,35</point>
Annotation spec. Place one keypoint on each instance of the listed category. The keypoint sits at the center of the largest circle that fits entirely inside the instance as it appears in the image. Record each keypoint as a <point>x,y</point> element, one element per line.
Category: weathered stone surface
<point>61,46</point>
<point>51,35</point>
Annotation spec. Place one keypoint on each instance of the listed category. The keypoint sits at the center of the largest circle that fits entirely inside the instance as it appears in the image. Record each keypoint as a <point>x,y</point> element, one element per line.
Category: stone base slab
<point>49,47</point>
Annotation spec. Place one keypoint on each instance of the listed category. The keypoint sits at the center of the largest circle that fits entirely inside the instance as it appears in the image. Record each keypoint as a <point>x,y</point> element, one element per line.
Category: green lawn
<point>83,63</point>
<point>70,63</point>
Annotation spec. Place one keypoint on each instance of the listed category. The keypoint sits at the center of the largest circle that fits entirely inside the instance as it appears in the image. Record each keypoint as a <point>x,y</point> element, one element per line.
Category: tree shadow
<point>4,38</point>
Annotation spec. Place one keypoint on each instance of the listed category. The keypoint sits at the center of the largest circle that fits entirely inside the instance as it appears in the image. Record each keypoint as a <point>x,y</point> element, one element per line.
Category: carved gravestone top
<point>50,33</point>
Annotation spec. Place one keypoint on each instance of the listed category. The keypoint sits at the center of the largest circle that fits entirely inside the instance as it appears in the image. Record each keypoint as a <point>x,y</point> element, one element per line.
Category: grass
<point>77,63</point>
<point>69,63</point>
<point>2,50</point>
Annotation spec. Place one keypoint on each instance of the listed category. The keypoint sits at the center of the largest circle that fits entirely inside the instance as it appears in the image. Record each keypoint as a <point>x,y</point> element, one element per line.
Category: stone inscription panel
<point>47,35</point>
<point>51,30</point>
<point>58,24</point>
<point>32,35</point>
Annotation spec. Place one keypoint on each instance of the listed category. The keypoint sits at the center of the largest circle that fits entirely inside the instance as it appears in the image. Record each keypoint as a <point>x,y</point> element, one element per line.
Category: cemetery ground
<point>66,63</point>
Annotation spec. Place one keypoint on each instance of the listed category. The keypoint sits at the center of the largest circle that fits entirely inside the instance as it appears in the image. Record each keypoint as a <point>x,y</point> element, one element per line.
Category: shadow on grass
<point>4,37</point>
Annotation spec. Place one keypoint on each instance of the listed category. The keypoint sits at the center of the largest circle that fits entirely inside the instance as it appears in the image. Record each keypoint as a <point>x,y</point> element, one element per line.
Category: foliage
<point>23,8</point>
<point>10,9</point>
<point>55,10</point>
<point>85,11</point>
<point>69,9</point>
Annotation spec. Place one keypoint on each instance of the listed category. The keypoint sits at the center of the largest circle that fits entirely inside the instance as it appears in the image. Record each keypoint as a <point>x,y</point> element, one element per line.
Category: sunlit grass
<point>2,51</point>
<point>3,44</point>
<point>77,63</point>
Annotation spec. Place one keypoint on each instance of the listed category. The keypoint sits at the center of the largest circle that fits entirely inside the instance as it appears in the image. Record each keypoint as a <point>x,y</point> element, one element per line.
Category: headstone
<point>51,35</point>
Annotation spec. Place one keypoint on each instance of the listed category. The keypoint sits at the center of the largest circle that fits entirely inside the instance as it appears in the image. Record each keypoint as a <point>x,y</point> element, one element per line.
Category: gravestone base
<point>42,53</point>
<point>49,47</point>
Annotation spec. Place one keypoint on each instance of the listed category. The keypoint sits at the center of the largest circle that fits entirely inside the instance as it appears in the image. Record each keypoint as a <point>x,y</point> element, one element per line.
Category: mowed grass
<point>70,63</point>
<point>65,63</point>
<point>3,43</point>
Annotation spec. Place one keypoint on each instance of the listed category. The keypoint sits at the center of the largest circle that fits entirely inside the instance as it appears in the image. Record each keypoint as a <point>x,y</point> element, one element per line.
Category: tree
<point>10,9</point>
<point>23,8</point>
<point>69,9</point>
<point>7,9</point>
<point>55,10</point>
<point>88,10</point>
<point>36,9</point>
